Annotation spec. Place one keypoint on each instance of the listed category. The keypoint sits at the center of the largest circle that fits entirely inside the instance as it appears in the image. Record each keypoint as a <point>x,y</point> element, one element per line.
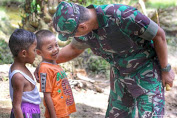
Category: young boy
<point>23,91</point>
<point>58,98</point>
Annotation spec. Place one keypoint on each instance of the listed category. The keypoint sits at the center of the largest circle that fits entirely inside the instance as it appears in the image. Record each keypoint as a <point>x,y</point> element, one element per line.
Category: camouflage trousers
<point>142,90</point>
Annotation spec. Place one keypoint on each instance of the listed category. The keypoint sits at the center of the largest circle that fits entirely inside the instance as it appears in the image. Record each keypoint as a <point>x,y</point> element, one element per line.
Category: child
<point>23,91</point>
<point>58,98</point>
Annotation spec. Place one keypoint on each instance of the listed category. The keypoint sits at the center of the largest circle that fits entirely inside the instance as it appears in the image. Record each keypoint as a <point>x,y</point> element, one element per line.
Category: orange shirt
<point>53,79</point>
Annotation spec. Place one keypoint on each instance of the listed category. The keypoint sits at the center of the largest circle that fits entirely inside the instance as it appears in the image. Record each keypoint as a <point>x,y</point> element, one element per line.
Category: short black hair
<point>84,14</point>
<point>41,35</point>
<point>20,40</point>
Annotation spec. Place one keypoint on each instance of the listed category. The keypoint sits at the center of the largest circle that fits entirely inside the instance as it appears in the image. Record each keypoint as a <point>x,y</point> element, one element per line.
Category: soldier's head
<point>72,20</point>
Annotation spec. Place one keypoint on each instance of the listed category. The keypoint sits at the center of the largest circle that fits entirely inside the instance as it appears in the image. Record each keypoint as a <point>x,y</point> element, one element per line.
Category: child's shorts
<point>29,110</point>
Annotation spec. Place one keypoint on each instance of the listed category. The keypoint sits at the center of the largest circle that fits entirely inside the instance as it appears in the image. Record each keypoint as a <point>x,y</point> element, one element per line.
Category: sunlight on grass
<point>13,14</point>
<point>161,3</point>
<point>10,14</point>
<point>2,12</point>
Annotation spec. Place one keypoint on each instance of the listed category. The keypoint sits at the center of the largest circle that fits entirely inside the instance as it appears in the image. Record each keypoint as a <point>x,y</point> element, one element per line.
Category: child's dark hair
<point>20,40</point>
<point>40,35</point>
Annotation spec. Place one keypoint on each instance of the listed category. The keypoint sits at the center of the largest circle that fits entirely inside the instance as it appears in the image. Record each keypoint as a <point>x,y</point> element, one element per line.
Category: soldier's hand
<point>168,77</point>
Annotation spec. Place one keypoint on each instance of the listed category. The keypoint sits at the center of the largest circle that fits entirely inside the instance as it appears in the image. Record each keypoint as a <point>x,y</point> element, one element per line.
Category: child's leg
<point>13,116</point>
<point>151,105</point>
<point>30,110</point>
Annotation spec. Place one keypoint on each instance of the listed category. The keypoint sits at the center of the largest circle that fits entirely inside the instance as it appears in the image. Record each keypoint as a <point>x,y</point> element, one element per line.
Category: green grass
<point>11,14</point>
<point>161,3</point>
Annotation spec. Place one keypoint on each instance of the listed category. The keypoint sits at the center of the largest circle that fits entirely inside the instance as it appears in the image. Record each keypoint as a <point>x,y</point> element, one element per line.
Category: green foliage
<point>92,64</point>
<point>161,3</point>
<point>96,2</point>
<point>149,3</point>
<point>101,2</point>
<point>38,8</point>
<point>5,55</point>
<point>5,2</point>
<point>172,41</point>
<point>96,64</point>
<point>5,78</point>
<point>33,6</point>
<point>88,2</point>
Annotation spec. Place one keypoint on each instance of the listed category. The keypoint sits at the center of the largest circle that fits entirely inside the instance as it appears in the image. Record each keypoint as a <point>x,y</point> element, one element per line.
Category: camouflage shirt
<point>124,37</point>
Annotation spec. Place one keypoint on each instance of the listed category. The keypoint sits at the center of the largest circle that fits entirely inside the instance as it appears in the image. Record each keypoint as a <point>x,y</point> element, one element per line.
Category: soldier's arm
<point>160,46</point>
<point>71,51</point>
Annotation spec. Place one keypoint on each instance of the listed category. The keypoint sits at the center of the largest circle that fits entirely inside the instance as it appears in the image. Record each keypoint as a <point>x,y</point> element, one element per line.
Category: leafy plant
<point>161,3</point>
<point>5,55</point>
<point>33,6</point>
<point>98,64</point>
<point>95,64</point>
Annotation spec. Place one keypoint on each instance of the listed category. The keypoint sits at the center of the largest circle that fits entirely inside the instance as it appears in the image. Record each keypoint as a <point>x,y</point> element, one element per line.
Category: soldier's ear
<point>82,27</point>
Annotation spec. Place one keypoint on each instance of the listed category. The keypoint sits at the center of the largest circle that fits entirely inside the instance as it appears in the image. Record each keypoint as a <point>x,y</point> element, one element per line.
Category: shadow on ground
<point>85,111</point>
<point>5,112</point>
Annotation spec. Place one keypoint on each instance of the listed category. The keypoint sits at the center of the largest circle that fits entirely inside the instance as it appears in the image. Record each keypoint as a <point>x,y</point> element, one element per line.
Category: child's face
<point>50,49</point>
<point>31,52</point>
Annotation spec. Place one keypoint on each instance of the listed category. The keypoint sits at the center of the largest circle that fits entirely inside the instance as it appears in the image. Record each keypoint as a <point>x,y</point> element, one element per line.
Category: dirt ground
<point>89,103</point>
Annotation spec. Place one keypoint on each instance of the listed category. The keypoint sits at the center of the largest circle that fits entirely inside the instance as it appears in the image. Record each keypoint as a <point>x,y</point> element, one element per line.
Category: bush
<point>5,54</point>
<point>92,63</point>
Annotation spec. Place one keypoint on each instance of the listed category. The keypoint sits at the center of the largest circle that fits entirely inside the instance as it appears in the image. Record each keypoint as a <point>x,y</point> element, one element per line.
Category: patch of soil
<point>88,101</point>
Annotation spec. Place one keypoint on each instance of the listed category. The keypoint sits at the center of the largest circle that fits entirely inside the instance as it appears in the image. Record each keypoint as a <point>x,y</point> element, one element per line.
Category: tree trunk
<point>38,14</point>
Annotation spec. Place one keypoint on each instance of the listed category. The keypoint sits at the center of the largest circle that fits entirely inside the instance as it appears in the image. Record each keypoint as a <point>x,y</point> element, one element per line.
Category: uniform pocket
<point>119,41</point>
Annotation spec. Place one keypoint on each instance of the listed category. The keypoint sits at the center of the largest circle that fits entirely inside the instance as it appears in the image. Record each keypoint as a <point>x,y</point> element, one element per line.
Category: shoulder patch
<point>79,45</point>
<point>43,81</point>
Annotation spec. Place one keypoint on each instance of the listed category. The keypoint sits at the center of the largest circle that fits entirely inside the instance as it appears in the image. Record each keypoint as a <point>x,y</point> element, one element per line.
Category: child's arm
<point>49,104</point>
<point>36,73</point>
<point>18,85</point>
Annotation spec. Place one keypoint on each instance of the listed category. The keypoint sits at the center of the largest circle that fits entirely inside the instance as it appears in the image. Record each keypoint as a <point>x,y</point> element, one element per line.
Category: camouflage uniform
<point>124,39</point>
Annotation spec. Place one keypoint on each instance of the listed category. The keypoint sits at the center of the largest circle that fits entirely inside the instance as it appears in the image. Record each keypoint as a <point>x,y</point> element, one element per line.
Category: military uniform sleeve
<point>79,44</point>
<point>135,23</point>
<point>150,31</point>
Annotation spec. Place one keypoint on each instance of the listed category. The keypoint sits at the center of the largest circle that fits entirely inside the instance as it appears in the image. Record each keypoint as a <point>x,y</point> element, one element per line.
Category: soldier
<point>133,44</point>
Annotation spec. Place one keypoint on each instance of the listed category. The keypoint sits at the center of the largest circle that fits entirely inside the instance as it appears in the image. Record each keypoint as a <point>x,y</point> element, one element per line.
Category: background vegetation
<point>33,15</point>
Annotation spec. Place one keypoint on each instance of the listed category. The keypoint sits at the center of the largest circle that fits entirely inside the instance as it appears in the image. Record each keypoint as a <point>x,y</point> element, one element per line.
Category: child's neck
<point>50,61</point>
<point>21,65</point>
<point>18,65</point>
<point>19,62</point>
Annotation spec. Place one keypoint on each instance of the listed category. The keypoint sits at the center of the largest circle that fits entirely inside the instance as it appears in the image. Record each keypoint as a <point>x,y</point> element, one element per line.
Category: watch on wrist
<point>167,68</point>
